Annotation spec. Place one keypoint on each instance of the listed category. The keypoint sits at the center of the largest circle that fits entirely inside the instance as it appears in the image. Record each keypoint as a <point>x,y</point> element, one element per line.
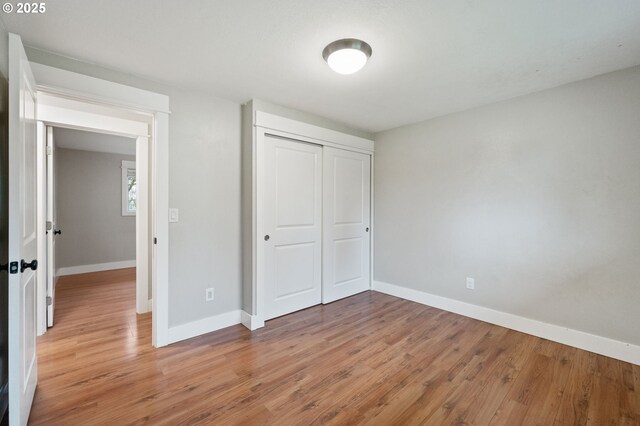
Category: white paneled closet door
<point>293,225</point>
<point>346,217</point>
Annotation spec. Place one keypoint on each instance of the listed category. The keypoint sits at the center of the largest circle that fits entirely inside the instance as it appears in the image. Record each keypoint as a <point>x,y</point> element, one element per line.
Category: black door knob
<point>33,265</point>
<point>266,238</point>
<point>366,230</point>
<point>57,232</point>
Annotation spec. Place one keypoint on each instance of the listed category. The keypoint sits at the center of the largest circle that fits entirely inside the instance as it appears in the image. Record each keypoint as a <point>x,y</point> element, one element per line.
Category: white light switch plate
<point>209,295</point>
<point>173,215</point>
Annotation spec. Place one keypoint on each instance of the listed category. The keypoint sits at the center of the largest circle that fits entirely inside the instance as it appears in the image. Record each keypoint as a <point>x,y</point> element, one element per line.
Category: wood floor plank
<point>427,409</point>
<point>611,404</point>
<point>577,396</point>
<point>478,403</point>
<point>368,359</point>
<point>636,388</point>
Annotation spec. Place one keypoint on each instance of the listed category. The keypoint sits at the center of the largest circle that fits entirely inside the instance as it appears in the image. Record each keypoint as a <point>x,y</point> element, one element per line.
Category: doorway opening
<point>93,179</point>
<point>88,192</point>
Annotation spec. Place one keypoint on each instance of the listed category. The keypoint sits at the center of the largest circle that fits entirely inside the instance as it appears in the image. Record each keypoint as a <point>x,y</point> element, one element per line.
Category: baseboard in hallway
<point>97,267</point>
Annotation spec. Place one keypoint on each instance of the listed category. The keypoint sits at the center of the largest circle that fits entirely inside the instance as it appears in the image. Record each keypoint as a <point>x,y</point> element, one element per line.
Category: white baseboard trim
<point>83,269</point>
<point>590,342</point>
<point>148,307</point>
<point>203,326</point>
<point>252,322</point>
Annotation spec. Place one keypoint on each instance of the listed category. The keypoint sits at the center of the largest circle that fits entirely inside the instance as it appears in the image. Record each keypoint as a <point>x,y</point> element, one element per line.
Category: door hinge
<point>13,267</point>
<point>49,301</point>
<point>49,150</point>
<point>49,225</point>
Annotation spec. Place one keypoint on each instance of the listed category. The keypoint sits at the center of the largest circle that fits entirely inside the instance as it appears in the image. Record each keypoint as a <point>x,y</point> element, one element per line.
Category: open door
<point>22,234</point>
<point>51,226</point>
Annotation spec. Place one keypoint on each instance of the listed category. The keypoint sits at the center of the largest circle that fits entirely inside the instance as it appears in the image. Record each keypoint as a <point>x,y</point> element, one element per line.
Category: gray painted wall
<point>537,198</point>
<point>248,111</point>
<point>89,209</point>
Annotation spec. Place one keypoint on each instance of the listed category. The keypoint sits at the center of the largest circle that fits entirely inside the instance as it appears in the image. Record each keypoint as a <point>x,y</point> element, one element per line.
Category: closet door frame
<point>264,124</point>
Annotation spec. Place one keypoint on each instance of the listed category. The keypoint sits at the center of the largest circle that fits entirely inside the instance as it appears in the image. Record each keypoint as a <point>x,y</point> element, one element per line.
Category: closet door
<point>346,216</point>
<point>293,225</point>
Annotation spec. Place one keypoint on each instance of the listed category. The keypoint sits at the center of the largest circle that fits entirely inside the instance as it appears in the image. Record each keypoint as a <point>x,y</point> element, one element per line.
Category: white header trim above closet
<point>281,126</point>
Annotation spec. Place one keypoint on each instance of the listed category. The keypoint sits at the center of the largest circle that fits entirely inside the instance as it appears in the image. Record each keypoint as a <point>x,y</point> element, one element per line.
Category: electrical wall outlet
<point>471,283</point>
<point>209,296</point>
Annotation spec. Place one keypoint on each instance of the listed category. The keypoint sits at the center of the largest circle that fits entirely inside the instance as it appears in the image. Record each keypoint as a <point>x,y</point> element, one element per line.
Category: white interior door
<point>142,224</point>
<point>346,216</point>
<point>293,224</point>
<point>22,234</point>
<point>53,231</point>
<point>41,173</point>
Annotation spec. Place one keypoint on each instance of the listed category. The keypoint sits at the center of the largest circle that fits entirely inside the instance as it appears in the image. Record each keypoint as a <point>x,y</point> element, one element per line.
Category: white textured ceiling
<point>429,57</point>
<point>89,141</point>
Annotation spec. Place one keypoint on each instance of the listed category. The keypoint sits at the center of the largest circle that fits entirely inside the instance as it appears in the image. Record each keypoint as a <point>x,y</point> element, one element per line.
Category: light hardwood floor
<point>370,359</point>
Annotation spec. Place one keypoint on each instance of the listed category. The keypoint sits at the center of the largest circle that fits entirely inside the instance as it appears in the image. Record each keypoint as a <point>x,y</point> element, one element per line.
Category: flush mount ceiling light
<point>347,56</point>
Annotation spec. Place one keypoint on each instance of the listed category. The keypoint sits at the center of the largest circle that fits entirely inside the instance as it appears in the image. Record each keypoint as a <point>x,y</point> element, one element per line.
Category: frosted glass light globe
<point>347,61</point>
